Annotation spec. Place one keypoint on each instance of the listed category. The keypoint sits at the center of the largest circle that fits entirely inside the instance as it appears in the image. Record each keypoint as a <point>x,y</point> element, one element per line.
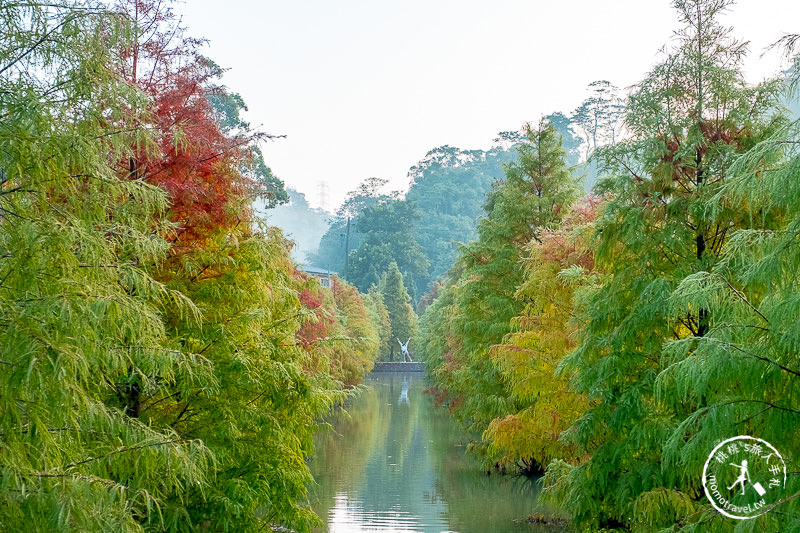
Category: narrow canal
<point>392,462</point>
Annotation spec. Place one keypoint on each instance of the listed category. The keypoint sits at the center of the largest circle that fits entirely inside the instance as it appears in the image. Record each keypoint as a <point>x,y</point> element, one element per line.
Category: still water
<point>392,462</point>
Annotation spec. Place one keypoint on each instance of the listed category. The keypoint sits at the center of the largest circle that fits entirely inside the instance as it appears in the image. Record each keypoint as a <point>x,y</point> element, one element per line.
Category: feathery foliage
<point>153,371</point>
<point>742,375</point>
<point>475,310</point>
<point>689,119</point>
<point>402,318</point>
<point>554,269</point>
<point>357,355</point>
<point>77,309</point>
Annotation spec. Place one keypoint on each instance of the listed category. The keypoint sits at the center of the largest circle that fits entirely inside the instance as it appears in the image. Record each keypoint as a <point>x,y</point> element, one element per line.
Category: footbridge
<point>399,367</point>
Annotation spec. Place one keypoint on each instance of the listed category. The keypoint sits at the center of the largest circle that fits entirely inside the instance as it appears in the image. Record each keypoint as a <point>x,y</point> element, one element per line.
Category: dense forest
<point>610,341</point>
<point>163,362</point>
<point>422,228</point>
<point>603,297</point>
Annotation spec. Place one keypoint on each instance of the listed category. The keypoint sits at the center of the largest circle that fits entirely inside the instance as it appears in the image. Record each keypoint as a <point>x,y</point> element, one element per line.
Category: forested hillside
<point>422,229</point>
<point>418,232</point>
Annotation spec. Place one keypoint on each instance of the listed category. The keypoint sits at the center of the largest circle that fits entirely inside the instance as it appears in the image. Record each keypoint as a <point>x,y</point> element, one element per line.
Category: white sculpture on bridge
<point>404,351</point>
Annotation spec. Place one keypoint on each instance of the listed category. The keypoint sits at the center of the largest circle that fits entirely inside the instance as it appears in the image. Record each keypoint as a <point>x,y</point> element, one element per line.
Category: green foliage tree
<point>78,312</point>
<point>534,196</point>
<point>436,342</point>
<point>362,347</point>
<point>257,414</point>
<point>599,116</point>
<point>570,141</point>
<point>149,384</point>
<point>689,120</point>
<point>379,316</point>
<point>402,318</point>
<point>342,235</point>
<point>449,187</point>
<point>556,272</point>
<point>367,194</point>
<point>342,332</point>
<point>598,121</point>
<point>388,235</point>
<point>743,372</point>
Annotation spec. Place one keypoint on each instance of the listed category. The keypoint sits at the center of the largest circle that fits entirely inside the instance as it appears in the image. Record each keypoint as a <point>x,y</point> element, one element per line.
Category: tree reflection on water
<point>392,462</point>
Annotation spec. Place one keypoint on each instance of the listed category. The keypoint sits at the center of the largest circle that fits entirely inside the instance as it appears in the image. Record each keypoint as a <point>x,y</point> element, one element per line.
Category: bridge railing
<point>399,367</point>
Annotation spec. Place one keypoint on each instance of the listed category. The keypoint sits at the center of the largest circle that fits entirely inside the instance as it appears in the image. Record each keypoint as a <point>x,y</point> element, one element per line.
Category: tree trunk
<point>132,393</point>
<point>700,247</point>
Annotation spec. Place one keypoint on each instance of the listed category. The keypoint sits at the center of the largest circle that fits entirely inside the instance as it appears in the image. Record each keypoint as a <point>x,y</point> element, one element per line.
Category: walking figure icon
<point>744,475</point>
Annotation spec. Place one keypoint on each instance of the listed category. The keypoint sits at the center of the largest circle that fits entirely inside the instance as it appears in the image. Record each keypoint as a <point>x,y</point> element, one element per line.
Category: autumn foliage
<point>338,330</point>
<point>556,266</point>
<point>320,319</point>
<point>656,321</point>
<point>192,158</point>
<point>175,367</point>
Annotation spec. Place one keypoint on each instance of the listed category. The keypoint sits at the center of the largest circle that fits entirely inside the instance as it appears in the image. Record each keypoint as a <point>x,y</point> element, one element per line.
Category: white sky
<point>365,88</point>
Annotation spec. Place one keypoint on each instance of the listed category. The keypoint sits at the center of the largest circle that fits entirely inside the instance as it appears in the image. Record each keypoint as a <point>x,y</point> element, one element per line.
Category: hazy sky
<point>366,88</point>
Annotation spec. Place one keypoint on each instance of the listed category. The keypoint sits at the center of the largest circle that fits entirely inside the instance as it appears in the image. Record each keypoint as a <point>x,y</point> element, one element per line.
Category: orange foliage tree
<point>199,162</point>
<point>557,266</point>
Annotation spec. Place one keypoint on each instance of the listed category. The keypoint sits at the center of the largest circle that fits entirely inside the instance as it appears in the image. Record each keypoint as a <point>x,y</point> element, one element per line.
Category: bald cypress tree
<point>144,386</point>
<point>402,318</point>
<point>379,316</point>
<point>78,312</point>
<point>479,303</point>
<point>556,273</point>
<point>690,119</point>
<point>534,196</point>
<point>743,375</point>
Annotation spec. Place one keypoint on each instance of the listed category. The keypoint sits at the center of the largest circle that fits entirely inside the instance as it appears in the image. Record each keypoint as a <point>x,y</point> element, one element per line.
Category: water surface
<point>392,462</point>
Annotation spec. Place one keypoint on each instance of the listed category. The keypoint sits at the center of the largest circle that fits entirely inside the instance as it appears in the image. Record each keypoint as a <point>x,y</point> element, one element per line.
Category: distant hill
<point>300,222</point>
<point>449,188</point>
<point>422,230</point>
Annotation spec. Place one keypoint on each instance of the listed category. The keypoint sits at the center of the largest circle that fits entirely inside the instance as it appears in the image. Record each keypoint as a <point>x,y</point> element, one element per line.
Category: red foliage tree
<point>319,326</point>
<point>194,160</point>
